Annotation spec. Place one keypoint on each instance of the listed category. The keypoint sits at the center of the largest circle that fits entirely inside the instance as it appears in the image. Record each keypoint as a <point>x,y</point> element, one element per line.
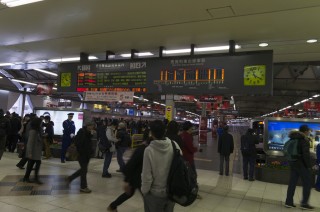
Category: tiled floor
<point>219,193</point>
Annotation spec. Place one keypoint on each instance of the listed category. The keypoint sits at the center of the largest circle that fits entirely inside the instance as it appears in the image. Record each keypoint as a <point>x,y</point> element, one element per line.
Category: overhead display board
<point>241,73</point>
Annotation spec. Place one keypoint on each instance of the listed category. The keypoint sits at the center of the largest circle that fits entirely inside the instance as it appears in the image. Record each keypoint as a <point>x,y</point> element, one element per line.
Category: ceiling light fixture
<point>263,44</point>
<point>312,41</point>
<point>15,3</point>
<point>6,64</point>
<point>54,88</point>
<point>25,82</point>
<point>140,54</point>
<point>214,48</point>
<point>45,72</point>
<point>1,77</point>
<point>176,51</point>
<point>70,59</point>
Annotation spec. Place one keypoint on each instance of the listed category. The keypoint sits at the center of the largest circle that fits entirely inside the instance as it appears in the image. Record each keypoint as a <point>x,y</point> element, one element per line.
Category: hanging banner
<point>169,112</point>
<point>217,99</point>
<point>108,96</point>
<point>183,98</point>
<point>44,89</point>
<point>50,102</point>
<point>203,131</point>
<point>311,106</point>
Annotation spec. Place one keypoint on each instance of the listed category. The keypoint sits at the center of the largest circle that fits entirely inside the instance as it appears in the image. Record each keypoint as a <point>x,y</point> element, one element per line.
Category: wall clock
<point>255,75</point>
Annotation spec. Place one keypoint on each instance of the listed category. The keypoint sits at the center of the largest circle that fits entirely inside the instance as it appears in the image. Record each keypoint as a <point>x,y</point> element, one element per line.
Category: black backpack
<point>182,186</point>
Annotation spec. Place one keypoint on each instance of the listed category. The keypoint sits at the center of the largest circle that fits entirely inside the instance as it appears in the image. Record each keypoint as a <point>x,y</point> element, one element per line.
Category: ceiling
<point>59,28</point>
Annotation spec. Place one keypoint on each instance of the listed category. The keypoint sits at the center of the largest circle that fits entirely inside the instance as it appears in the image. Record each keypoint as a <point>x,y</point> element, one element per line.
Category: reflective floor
<point>219,193</point>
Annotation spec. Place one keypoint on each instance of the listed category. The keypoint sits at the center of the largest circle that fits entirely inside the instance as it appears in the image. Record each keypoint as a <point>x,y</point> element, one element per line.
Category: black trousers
<point>297,169</point>
<point>251,160</point>
<point>222,159</point>
<point>23,160</point>
<point>122,198</point>
<point>82,172</point>
<point>29,169</point>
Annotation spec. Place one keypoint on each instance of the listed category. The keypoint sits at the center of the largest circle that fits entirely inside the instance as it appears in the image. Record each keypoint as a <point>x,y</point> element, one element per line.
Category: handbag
<point>113,147</point>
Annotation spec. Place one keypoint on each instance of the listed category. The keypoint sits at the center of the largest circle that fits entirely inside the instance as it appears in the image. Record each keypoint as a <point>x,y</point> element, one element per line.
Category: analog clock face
<point>65,80</point>
<point>255,75</point>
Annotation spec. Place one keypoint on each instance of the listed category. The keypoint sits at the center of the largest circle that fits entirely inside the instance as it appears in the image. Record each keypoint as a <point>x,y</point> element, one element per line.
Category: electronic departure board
<point>241,73</point>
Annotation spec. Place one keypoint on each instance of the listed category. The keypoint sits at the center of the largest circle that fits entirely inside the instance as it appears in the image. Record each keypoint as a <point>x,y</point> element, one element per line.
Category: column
<point>203,132</point>
<point>170,110</point>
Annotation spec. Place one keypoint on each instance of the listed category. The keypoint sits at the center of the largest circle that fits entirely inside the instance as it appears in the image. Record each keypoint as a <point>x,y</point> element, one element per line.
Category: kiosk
<point>276,134</point>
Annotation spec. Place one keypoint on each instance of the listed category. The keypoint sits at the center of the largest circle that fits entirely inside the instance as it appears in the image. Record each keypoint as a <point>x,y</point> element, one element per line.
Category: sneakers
<point>306,207</point>
<point>85,190</point>
<point>290,205</point>
<point>110,209</point>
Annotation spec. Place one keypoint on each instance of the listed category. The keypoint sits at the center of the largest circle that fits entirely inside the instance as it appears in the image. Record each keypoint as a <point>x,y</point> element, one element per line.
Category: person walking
<point>225,148</point>
<point>157,161</point>
<point>34,150</point>
<point>83,143</point>
<point>122,144</point>
<point>317,185</point>
<point>109,139</point>
<point>132,177</point>
<point>69,130</point>
<point>300,167</point>
<point>48,136</point>
<point>248,150</point>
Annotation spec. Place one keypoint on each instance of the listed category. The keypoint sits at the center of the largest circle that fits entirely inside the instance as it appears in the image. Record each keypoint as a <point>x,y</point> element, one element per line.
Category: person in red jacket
<point>188,149</point>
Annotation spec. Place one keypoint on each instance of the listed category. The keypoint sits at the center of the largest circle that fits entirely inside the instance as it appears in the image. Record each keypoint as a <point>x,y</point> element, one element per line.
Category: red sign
<point>311,106</point>
<point>217,99</point>
<point>183,98</point>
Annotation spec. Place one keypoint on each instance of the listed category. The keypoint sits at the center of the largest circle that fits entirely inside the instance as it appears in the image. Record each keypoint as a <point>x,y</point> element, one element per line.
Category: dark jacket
<point>303,147</point>
<point>5,126</point>
<point>15,125</point>
<point>225,144</point>
<point>176,138</point>
<point>124,138</point>
<point>248,147</point>
<point>102,136</point>
<point>49,131</point>
<point>84,144</point>
<point>133,168</point>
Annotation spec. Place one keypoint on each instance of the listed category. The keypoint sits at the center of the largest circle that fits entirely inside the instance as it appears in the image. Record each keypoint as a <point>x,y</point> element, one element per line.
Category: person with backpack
<point>225,148</point>
<point>157,161</point>
<point>83,143</point>
<point>297,149</point>
<point>122,144</point>
<point>248,150</point>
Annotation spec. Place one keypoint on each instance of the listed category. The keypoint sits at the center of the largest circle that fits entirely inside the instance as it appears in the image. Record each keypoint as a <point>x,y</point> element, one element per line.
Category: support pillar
<point>170,110</point>
<point>24,94</point>
<point>203,132</point>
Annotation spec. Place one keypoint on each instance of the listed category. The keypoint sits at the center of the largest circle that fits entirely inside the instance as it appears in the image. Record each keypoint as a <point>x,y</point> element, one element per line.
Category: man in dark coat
<point>248,150</point>
<point>15,128</point>
<point>69,130</point>
<point>84,147</point>
<point>225,148</point>
<point>300,167</point>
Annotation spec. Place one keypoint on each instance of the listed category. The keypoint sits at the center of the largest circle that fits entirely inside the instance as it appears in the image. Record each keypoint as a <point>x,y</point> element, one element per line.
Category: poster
<point>203,131</point>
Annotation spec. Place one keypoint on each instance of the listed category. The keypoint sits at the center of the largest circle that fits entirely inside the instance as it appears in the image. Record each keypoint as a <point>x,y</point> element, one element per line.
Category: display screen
<point>240,73</point>
<point>58,116</point>
<point>278,132</point>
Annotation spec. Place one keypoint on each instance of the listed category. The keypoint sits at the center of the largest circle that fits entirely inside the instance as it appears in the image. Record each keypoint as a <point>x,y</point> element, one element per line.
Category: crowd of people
<point>148,167</point>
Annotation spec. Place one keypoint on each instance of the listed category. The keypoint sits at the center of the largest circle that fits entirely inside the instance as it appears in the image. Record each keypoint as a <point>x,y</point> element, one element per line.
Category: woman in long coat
<point>34,150</point>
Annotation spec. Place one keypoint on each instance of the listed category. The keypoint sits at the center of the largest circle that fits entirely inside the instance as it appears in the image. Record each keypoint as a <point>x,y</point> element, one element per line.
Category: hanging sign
<point>169,113</point>
<point>108,96</point>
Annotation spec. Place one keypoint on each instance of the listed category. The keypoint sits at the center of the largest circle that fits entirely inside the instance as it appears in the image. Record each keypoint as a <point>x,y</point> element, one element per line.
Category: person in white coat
<point>108,154</point>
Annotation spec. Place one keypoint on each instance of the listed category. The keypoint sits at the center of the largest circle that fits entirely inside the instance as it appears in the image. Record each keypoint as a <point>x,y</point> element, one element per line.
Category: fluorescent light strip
<point>15,3</point>
<point>135,97</point>
<point>70,59</point>
<point>156,103</point>
<point>163,105</point>
<point>214,48</point>
<point>315,96</point>
<point>297,103</point>
<point>176,51</point>
<point>54,88</point>
<point>6,64</point>
<point>140,54</point>
<point>45,72</point>
<point>25,82</point>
